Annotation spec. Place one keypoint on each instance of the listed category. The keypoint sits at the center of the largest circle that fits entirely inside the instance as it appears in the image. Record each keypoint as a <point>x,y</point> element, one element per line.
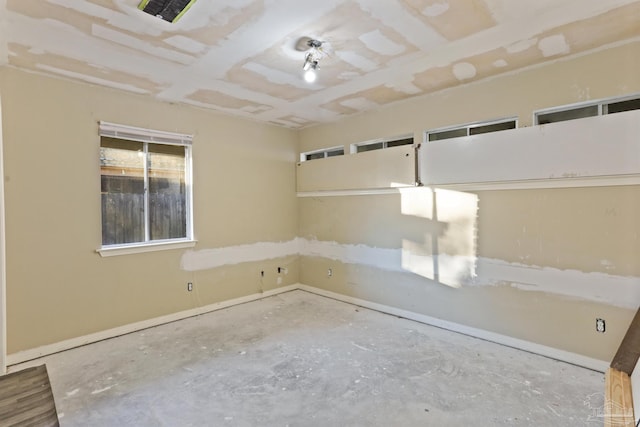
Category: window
<point>145,179</point>
<point>381,144</point>
<point>579,111</point>
<point>321,154</point>
<point>471,129</point>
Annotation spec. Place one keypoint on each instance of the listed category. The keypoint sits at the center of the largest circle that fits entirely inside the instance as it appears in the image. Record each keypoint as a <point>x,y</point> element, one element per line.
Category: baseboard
<point>553,353</point>
<point>45,350</point>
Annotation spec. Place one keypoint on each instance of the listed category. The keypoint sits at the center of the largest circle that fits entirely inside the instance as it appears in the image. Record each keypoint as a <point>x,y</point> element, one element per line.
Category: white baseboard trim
<point>553,353</point>
<point>45,350</point>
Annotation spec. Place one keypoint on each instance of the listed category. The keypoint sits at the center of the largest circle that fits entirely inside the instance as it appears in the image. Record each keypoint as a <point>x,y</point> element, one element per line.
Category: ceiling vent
<point>169,10</point>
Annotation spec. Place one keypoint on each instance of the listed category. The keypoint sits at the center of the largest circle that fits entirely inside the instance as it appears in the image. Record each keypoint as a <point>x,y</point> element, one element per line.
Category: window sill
<point>145,247</point>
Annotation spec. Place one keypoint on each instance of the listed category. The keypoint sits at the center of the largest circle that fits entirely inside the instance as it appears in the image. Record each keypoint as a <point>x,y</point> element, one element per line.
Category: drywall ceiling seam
<point>291,110</point>
<point>91,79</point>
<point>75,44</point>
<point>241,44</point>
<point>137,21</point>
<point>135,43</point>
<point>400,20</point>
<point>490,39</point>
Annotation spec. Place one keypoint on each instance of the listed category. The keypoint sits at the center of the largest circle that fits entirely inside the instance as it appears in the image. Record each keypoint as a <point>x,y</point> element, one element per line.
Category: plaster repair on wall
<point>452,270</point>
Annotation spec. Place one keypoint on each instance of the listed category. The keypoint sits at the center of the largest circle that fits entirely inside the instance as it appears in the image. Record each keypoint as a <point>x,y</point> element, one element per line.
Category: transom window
<point>590,109</point>
<point>380,144</point>
<point>321,154</point>
<point>471,129</point>
<point>145,179</point>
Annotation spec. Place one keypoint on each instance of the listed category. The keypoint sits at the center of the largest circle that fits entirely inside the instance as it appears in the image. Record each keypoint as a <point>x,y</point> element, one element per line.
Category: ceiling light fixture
<point>311,60</point>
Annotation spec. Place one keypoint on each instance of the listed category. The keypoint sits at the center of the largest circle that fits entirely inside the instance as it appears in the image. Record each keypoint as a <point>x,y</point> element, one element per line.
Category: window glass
<point>619,107</point>
<point>122,191</point>
<point>314,156</point>
<point>144,191</point>
<point>369,147</point>
<point>447,134</point>
<point>572,114</point>
<point>398,142</point>
<point>167,192</point>
<point>494,127</point>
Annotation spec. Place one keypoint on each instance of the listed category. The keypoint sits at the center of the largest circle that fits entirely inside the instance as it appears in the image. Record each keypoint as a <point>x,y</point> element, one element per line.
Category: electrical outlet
<point>600,325</point>
<point>329,272</point>
<point>189,286</point>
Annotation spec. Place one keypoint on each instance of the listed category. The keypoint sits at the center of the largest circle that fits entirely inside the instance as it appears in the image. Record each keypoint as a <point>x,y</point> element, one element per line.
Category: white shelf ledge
<point>146,247</point>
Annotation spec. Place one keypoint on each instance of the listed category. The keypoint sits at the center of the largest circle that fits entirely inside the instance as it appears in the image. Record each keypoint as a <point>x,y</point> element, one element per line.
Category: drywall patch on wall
<point>383,258</point>
<point>620,291</point>
<point>458,271</point>
<point>231,255</point>
<point>451,270</point>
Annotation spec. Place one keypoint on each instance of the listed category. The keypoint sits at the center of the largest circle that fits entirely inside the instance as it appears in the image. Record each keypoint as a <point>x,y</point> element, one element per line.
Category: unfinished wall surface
<point>537,264</point>
<point>58,286</point>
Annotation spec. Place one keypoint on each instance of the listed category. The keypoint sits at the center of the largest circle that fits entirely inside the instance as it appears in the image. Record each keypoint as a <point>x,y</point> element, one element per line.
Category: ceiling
<point>240,56</point>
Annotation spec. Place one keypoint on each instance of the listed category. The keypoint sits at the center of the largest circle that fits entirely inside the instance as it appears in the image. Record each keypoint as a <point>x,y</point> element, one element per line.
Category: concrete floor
<point>299,359</point>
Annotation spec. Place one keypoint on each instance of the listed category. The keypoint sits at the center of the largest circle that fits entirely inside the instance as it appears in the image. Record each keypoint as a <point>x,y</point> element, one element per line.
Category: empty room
<point>319,213</point>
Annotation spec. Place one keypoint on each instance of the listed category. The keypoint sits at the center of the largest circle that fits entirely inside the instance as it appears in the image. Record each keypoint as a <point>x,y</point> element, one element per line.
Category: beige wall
<point>547,262</point>
<point>244,192</point>
<point>58,286</point>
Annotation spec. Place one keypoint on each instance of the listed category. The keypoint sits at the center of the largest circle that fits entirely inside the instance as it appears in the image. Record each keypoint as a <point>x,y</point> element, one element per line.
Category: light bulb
<point>310,75</point>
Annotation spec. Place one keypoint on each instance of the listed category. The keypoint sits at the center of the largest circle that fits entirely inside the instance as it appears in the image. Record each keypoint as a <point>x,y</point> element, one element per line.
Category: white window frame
<point>326,151</point>
<point>468,126</point>
<point>149,136</point>
<point>602,104</point>
<point>353,149</point>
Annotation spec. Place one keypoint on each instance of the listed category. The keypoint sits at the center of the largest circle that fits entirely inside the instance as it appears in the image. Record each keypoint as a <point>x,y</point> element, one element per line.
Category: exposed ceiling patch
<point>357,61</point>
<point>435,9</point>
<point>522,45</point>
<point>138,44</point>
<point>399,17</point>
<point>168,10</point>
<point>240,53</point>
<point>91,79</point>
<point>378,42</point>
<point>500,63</point>
<point>359,104</point>
<point>275,76</point>
<point>553,45</point>
<point>185,44</point>
<point>464,71</point>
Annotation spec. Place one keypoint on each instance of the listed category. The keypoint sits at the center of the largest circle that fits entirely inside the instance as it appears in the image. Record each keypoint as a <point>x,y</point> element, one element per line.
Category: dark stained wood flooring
<point>26,399</point>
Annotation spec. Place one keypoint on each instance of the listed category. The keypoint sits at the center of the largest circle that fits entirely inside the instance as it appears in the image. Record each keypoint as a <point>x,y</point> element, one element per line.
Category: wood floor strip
<point>618,402</point>
<point>26,399</point>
